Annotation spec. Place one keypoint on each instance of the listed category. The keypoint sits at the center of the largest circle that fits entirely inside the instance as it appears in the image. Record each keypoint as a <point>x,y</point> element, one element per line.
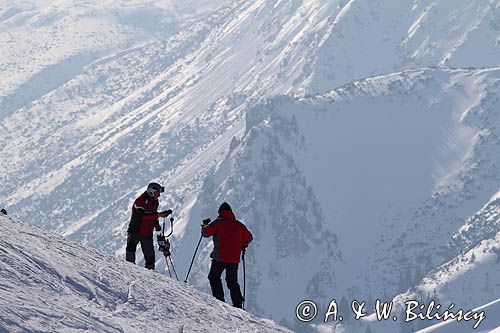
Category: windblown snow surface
<point>49,284</point>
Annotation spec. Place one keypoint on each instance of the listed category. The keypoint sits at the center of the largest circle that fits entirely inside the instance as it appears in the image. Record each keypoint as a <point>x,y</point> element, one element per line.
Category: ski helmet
<point>225,207</point>
<point>155,187</point>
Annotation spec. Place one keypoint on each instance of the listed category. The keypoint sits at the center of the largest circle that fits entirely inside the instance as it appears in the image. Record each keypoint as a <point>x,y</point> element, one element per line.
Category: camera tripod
<point>164,247</point>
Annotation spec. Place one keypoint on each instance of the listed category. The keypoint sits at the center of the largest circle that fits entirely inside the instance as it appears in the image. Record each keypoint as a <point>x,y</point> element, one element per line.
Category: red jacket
<point>230,237</point>
<point>144,216</point>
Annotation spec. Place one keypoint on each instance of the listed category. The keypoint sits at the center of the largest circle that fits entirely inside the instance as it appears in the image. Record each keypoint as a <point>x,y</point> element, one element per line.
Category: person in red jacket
<point>230,238</point>
<point>142,222</point>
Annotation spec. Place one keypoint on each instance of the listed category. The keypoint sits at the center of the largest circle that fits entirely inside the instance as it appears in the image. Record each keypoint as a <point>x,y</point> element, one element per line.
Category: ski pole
<point>205,222</point>
<point>244,281</point>
<point>192,260</point>
<point>173,268</point>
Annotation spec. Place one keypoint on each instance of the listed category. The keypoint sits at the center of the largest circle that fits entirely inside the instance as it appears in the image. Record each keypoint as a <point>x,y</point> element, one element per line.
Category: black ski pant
<point>147,249</point>
<point>231,279</point>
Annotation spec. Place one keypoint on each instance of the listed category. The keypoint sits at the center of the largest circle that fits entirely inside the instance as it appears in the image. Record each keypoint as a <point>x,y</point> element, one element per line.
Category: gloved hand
<point>165,213</point>
<point>243,252</point>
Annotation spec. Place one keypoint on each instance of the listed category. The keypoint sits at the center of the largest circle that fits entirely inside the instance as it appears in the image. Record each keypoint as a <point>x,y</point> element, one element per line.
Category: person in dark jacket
<point>142,222</point>
<point>230,238</point>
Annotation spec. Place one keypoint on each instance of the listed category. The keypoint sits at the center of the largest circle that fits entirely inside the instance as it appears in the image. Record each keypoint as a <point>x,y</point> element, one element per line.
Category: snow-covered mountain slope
<point>369,162</point>
<point>463,327</point>
<point>46,43</point>
<point>48,284</point>
<point>478,256</point>
<point>469,279</point>
<point>162,100</point>
<point>489,322</point>
<point>368,38</point>
<point>188,90</point>
<point>482,227</point>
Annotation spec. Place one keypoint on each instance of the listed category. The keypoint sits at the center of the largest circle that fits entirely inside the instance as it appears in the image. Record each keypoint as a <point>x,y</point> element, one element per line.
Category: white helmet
<point>154,187</point>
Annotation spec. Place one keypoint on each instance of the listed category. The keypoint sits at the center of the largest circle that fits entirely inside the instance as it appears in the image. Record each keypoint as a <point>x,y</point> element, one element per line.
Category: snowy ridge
<point>474,269</point>
<point>467,280</point>
<point>489,324</point>
<point>461,327</point>
<point>484,225</point>
<point>51,284</point>
<point>405,35</point>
